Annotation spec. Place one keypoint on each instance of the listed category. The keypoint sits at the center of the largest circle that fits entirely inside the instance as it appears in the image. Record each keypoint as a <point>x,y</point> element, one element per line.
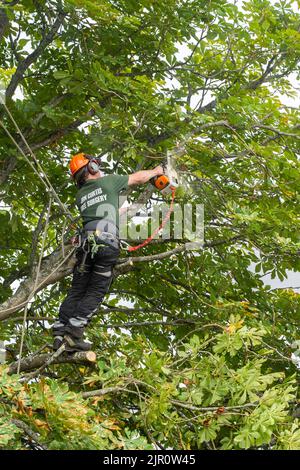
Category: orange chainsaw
<point>168,182</point>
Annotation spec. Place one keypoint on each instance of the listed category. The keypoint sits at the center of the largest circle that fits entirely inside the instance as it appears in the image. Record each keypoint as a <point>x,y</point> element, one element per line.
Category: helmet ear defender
<point>82,160</point>
<point>93,167</point>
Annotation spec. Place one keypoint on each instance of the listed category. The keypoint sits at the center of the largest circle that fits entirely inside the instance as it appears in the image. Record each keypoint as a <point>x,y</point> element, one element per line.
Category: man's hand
<point>158,170</point>
<point>142,177</point>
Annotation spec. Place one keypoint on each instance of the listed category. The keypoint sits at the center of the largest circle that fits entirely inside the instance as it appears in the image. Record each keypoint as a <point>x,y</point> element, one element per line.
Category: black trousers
<point>89,285</point>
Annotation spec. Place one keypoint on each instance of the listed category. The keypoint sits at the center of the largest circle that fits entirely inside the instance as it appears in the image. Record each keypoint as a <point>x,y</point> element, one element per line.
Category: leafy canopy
<point>200,352</point>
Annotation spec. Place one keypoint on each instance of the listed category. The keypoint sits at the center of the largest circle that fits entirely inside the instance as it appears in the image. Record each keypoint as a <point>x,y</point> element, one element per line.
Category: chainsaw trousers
<point>91,281</point>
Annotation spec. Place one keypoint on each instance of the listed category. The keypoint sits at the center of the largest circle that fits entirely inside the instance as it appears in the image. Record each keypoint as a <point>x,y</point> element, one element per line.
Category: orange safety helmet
<point>78,161</point>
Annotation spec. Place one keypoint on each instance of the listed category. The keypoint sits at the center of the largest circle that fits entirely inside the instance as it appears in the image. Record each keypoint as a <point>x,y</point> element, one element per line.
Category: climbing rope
<point>35,283</point>
<point>22,304</point>
<point>41,174</point>
<point>38,169</point>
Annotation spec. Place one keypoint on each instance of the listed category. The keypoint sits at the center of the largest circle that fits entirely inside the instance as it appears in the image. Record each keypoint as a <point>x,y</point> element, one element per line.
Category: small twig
<point>105,391</point>
<point>212,408</point>
<point>33,435</point>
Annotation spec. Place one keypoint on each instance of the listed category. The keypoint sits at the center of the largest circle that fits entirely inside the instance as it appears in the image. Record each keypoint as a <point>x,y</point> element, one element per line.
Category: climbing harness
<point>92,236</point>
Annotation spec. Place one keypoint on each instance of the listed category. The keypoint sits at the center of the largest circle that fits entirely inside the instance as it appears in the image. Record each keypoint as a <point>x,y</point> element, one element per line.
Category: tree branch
<point>58,134</point>
<point>250,85</point>
<point>31,58</point>
<point>54,137</point>
<point>52,271</point>
<point>128,262</point>
<point>52,104</point>
<point>12,3</point>
<point>212,408</point>
<point>35,362</point>
<point>3,22</point>
<point>271,65</point>
<point>31,434</point>
<point>105,391</point>
<point>277,131</point>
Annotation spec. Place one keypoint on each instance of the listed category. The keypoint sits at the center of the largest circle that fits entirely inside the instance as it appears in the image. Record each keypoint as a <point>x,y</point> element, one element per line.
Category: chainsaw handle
<point>160,181</point>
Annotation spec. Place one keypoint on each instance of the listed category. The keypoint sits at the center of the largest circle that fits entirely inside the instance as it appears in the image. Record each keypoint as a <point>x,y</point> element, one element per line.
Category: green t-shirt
<point>99,199</point>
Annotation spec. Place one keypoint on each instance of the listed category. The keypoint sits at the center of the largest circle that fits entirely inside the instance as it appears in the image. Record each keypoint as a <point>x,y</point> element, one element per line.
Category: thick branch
<point>50,273</point>
<point>52,270</point>
<point>35,362</point>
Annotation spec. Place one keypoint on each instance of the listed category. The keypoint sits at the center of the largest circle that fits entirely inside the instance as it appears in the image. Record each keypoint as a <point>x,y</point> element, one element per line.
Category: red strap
<point>167,217</point>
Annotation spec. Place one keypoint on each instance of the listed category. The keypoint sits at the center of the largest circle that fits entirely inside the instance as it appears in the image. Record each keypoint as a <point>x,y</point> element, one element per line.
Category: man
<point>98,202</point>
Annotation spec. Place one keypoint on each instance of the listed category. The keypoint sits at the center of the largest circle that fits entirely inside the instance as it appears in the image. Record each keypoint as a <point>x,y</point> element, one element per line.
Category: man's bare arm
<point>143,176</point>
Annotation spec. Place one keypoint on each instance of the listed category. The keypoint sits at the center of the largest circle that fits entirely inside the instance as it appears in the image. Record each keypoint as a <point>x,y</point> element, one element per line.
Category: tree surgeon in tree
<point>98,202</point>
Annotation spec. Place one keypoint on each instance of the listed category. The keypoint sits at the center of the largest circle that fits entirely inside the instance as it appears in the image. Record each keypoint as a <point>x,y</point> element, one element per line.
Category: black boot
<point>74,344</point>
<point>58,331</point>
<point>58,342</point>
<point>73,337</point>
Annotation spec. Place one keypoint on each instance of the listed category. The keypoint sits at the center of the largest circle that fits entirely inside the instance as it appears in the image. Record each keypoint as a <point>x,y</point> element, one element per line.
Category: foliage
<point>204,352</point>
<point>209,390</point>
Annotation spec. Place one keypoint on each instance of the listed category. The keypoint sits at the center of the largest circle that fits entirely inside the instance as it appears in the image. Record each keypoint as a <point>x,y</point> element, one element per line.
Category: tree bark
<point>49,275</point>
<point>31,58</point>
<point>35,362</point>
<point>3,22</point>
